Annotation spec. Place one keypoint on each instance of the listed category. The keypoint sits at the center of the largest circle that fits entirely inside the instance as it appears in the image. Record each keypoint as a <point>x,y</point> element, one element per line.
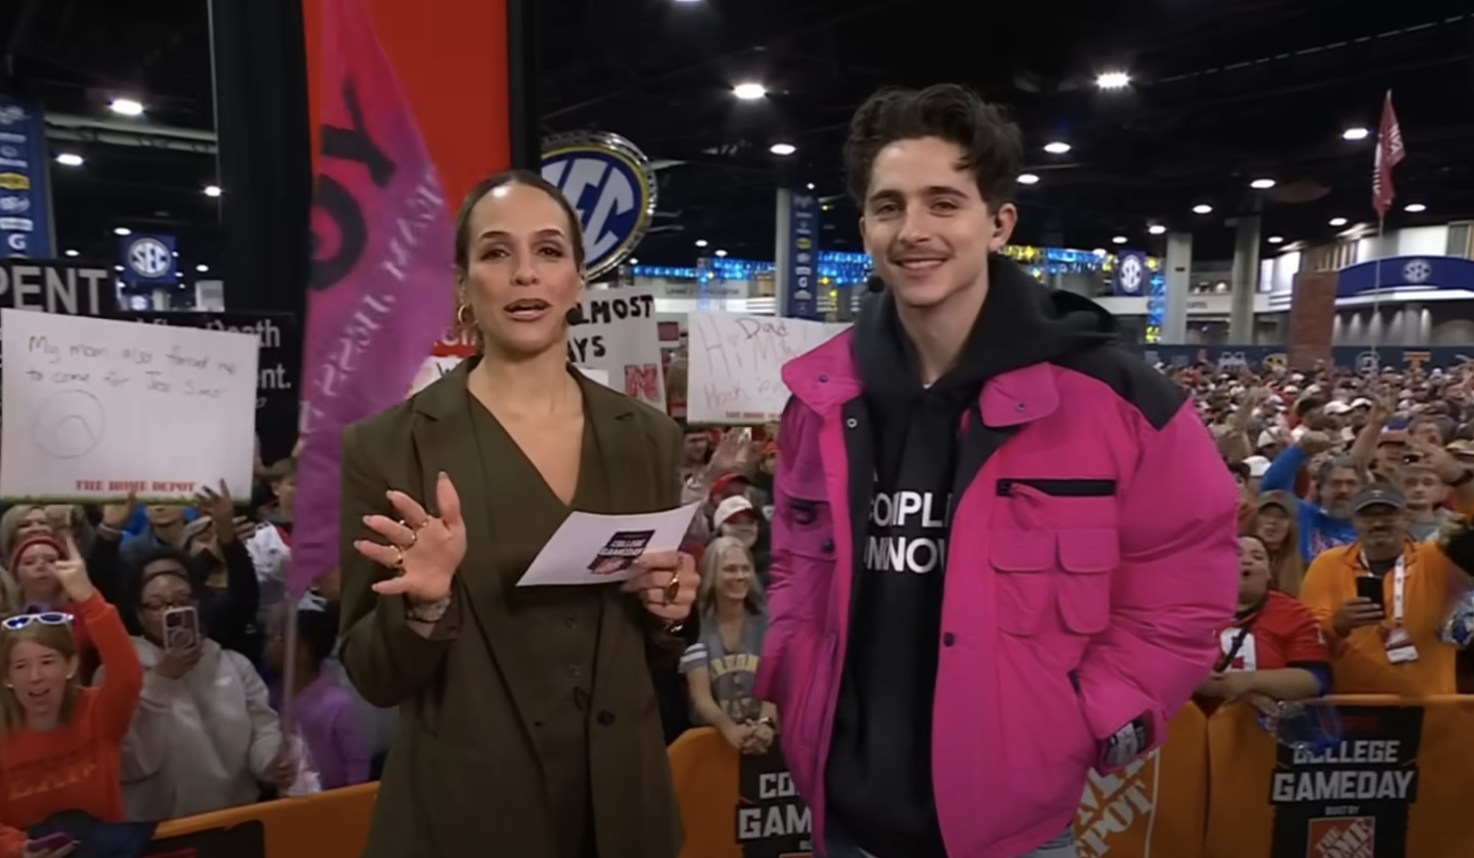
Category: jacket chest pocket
<point>1054,580</point>
<point>810,525</point>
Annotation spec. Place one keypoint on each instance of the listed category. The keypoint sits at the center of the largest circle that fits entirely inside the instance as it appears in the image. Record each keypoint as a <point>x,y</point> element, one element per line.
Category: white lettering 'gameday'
<point>908,532</point>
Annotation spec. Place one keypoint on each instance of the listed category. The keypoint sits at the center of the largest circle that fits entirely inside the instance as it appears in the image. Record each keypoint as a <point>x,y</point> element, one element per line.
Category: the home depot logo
<point>1117,809</point>
<point>1342,837</point>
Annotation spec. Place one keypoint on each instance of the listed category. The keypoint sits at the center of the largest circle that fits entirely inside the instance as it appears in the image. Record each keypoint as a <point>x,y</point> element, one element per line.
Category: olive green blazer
<point>465,776</point>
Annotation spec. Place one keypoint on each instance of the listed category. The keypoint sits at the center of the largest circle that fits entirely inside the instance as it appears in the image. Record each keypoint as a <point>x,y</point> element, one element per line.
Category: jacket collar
<point>827,377</point>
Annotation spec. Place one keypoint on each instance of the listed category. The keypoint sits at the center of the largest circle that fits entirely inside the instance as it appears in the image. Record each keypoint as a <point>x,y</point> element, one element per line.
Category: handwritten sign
<point>98,409</point>
<point>615,341</point>
<point>617,333</point>
<point>736,365</point>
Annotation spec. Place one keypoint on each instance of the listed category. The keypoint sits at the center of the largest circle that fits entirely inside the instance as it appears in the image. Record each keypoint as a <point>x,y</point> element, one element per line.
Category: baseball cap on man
<point>1378,495</point>
<point>1257,465</point>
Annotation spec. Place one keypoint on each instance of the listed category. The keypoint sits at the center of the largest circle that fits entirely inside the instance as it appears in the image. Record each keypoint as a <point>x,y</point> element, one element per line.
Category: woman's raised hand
<point>424,550</point>
<point>71,573</point>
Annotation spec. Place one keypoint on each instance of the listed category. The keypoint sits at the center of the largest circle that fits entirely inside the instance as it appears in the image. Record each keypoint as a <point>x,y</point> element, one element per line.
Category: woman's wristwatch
<point>431,612</point>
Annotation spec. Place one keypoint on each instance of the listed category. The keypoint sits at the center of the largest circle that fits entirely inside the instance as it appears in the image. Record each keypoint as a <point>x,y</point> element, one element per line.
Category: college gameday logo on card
<point>1343,837</point>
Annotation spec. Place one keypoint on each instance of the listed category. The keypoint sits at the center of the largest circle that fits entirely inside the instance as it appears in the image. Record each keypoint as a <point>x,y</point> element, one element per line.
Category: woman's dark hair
<point>138,579</point>
<point>512,177</point>
<point>991,143</point>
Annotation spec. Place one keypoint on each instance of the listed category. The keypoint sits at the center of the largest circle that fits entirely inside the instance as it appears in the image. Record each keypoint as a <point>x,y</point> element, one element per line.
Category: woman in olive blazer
<point>528,722</point>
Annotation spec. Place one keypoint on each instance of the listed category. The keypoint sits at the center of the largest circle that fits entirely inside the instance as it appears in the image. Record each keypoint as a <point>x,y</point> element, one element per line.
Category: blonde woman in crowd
<point>721,667</point>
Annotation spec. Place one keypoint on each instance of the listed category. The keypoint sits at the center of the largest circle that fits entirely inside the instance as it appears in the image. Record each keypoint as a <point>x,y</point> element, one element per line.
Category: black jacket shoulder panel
<point>1149,392</point>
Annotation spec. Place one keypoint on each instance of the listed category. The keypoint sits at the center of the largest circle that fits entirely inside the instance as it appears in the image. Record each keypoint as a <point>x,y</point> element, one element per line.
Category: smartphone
<point>181,628</point>
<point>1370,588</point>
<point>51,842</point>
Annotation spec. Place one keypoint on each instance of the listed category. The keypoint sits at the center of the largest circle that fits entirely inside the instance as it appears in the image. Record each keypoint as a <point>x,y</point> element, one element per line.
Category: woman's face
<point>166,589</point>
<point>697,443</point>
<point>1253,570</point>
<point>743,528</point>
<point>35,521</point>
<point>38,677</point>
<point>521,276</point>
<point>35,572</point>
<point>1274,525</point>
<point>734,576</point>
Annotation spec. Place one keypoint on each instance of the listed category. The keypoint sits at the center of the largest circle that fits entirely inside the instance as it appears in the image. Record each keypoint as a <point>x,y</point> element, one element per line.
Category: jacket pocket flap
<point>1089,550</point>
<point>1022,550</point>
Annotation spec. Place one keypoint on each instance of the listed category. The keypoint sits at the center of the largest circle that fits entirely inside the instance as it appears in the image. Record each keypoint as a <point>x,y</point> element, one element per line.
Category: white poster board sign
<point>97,409</point>
<point>736,364</point>
<point>617,344</point>
<point>619,336</point>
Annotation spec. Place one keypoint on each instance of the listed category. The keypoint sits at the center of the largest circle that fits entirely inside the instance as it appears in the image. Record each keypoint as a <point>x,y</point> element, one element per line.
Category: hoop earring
<point>465,319</point>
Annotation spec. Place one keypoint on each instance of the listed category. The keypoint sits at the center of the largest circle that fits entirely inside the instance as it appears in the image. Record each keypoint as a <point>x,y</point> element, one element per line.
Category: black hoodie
<point>879,770</point>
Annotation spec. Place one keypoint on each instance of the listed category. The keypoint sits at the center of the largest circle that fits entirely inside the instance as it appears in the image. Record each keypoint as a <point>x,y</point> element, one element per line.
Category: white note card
<point>602,549</point>
<point>97,409</point>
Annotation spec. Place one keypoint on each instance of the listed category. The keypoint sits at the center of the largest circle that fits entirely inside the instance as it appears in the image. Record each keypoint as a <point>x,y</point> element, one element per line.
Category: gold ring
<point>398,559</point>
<point>414,533</point>
<point>673,589</point>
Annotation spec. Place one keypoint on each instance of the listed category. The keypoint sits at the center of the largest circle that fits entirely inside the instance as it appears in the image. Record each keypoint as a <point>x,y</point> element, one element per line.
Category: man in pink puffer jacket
<point>1001,545</point>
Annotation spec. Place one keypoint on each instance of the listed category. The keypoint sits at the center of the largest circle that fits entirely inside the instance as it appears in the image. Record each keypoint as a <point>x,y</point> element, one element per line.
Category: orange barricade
<point>332,824</point>
<point>1397,786</point>
<point>1156,806</point>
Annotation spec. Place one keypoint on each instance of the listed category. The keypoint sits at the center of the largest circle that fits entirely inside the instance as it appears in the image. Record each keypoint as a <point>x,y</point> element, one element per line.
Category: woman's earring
<point>465,319</point>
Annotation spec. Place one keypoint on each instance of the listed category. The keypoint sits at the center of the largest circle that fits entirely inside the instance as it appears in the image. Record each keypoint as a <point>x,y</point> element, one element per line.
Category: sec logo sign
<point>150,258</point>
<point>609,182</point>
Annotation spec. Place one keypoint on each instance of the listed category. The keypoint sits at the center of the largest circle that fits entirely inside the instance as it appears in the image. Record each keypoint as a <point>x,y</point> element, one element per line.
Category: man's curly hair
<point>991,143</point>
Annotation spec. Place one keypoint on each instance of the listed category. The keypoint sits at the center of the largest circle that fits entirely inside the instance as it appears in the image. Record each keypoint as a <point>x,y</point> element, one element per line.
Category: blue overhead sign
<point>803,256</point>
<point>25,201</point>
<point>149,260</point>
<point>1406,272</point>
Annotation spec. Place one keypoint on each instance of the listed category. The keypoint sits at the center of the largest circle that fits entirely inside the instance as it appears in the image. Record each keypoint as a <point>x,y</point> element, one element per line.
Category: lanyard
<point>1399,583</point>
<point>1238,641</point>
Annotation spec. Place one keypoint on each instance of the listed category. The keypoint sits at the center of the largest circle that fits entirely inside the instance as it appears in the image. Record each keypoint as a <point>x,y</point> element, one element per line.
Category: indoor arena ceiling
<point>1221,94</point>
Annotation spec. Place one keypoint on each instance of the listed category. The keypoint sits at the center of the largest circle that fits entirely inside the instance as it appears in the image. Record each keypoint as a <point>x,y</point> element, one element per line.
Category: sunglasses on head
<point>46,618</point>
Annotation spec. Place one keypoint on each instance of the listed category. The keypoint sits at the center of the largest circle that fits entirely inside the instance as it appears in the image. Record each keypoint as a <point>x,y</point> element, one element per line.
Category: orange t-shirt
<point>1359,662</point>
<point>76,766</point>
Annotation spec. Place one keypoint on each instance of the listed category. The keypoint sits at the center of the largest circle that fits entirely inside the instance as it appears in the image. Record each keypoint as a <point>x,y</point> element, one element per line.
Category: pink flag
<point>1390,153</point>
<point>381,282</point>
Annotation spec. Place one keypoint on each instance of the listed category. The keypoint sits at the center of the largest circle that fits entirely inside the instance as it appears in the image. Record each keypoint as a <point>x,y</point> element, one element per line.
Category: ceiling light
<point>117,268</point>
<point>73,253</point>
<point>1113,80</point>
<point>1262,184</point>
<point>212,190</point>
<point>69,159</point>
<point>634,261</point>
<point>783,148</point>
<point>1415,208</point>
<point>122,230</point>
<point>700,242</point>
<point>750,91</point>
<point>1120,239</point>
<point>1028,179</point>
<point>1338,221</point>
<point>811,186</point>
<point>1202,208</point>
<point>1355,134</point>
<point>1156,229</point>
<point>1056,148</point>
<point>1276,239</point>
<point>126,107</point>
<point>721,253</point>
<point>1101,251</point>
